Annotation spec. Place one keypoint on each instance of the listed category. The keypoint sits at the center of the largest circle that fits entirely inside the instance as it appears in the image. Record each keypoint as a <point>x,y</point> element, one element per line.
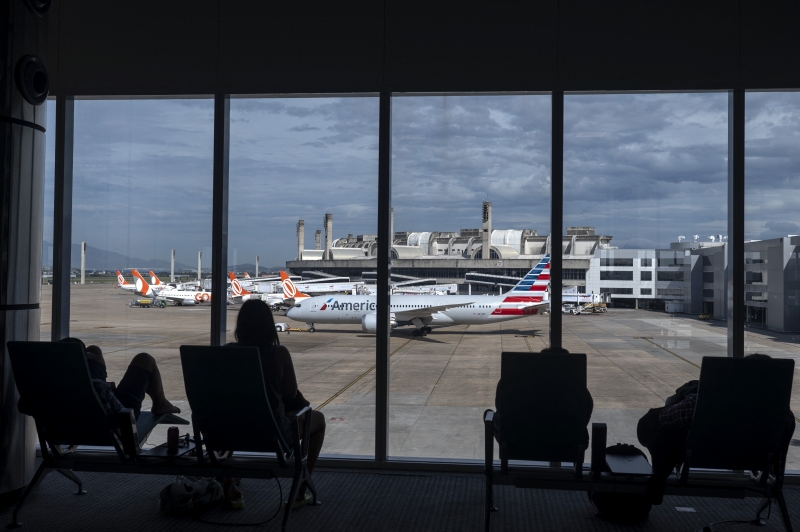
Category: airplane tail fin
<point>142,286</point>
<point>236,286</point>
<point>535,283</point>
<point>289,289</point>
<point>154,278</point>
<point>246,275</point>
<point>120,279</point>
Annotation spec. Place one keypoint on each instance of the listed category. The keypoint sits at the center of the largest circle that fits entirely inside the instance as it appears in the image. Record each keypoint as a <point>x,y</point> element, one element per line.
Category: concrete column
<point>318,238</point>
<point>391,227</point>
<point>172,266</point>
<point>22,149</point>
<point>301,238</point>
<point>256,265</point>
<point>327,255</point>
<point>83,262</point>
<point>487,230</point>
<point>199,265</point>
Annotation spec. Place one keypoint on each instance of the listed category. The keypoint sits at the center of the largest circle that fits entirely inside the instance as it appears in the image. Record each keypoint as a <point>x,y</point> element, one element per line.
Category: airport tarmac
<point>440,384</point>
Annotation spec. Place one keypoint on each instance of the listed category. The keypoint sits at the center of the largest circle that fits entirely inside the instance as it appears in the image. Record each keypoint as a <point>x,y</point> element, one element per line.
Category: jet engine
<point>369,322</point>
<point>188,302</point>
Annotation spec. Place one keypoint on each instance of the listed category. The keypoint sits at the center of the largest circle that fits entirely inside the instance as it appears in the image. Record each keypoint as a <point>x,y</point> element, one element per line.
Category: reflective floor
<point>440,384</point>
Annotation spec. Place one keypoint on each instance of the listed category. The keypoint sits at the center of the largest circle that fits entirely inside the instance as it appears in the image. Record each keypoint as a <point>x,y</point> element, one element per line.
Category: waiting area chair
<point>56,388</point>
<point>232,418</point>
<point>740,423</point>
<point>543,410</point>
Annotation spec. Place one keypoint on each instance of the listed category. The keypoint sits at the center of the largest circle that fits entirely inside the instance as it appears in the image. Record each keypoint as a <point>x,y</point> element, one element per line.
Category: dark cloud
<point>644,168</point>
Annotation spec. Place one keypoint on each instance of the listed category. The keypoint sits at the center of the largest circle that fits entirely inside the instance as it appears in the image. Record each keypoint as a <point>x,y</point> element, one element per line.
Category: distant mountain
<point>100,259</point>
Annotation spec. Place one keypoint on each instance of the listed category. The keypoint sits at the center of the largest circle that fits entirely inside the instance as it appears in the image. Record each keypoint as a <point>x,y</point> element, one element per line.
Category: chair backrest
<point>54,383</point>
<point>542,405</point>
<point>742,410</point>
<point>225,389</point>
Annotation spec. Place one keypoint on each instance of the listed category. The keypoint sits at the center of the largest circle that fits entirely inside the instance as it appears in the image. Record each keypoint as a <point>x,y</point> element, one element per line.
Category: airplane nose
<point>290,312</point>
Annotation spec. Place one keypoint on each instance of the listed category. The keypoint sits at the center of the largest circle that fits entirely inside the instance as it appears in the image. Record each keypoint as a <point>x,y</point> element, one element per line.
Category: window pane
<point>772,223</point>
<point>142,187</point>
<point>46,304</point>
<point>312,161</point>
<point>465,167</point>
<point>643,169</point>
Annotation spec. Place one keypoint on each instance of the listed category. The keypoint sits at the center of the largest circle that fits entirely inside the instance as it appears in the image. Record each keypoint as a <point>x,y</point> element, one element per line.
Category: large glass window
<point>642,170</point>
<point>304,201</point>
<point>141,189</point>
<point>470,174</point>
<point>45,305</point>
<point>772,223</point>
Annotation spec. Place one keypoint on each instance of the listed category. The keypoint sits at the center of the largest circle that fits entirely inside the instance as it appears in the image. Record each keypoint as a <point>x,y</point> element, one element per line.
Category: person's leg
<point>95,354</point>
<point>143,377</point>
<point>317,437</point>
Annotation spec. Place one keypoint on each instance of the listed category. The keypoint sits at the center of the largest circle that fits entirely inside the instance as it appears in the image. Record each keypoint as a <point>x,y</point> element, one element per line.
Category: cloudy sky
<point>641,168</point>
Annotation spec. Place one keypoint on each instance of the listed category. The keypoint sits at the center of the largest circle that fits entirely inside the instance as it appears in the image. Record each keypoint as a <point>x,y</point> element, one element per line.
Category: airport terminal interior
<point>414,189</point>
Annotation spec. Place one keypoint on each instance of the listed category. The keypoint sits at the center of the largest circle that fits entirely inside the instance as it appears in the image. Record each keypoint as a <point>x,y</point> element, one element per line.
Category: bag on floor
<point>622,507</point>
<point>189,494</point>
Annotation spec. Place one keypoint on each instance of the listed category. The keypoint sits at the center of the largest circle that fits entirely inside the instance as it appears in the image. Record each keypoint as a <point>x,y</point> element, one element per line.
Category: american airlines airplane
<point>423,311</point>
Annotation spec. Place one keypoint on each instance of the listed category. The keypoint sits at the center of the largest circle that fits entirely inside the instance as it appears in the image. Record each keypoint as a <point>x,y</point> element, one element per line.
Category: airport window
<point>613,275</point>
<point>616,262</point>
<point>708,277</point>
<point>304,191</point>
<point>670,275</point>
<point>142,188</point>
<point>652,161</point>
<point>708,292</point>
<point>755,257</point>
<point>616,291</point>
<point>46,308</point>
<point>479,148</point>
<point>751,277</point>
<point>771,221</point>
<point>669,291</point>
<point>573,274</point>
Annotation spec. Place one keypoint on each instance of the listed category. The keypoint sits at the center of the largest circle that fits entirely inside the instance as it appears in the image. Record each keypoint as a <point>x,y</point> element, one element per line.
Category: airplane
<point>290,291</point>
<point>144,288</point>
<point>125,285</point>
<point>183,297</point>
<point>423,310</point>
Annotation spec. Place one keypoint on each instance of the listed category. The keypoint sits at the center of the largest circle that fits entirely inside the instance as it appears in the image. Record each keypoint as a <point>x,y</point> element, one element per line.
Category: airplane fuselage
<point>473,309</point>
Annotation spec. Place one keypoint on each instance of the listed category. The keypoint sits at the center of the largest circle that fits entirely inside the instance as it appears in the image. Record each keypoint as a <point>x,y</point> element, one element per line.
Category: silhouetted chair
<point>739,420</point>
<point>55,387</point>
<point>232,414</point>
<point>542,407</point>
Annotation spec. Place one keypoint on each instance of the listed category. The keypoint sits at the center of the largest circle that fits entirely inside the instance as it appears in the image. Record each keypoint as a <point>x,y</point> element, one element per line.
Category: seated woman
<point>255,326</point>
<point>142,377</point>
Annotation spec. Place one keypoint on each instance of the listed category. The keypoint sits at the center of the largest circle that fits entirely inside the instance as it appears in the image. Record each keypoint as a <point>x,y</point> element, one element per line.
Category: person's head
<point>255,324</point>
<point>758,356</point>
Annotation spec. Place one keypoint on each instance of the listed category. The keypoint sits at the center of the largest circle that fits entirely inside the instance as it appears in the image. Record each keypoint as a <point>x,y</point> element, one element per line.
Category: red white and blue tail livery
<point>422,311</point>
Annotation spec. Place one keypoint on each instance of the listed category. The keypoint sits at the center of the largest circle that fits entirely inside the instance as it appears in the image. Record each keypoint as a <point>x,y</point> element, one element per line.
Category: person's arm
<point>678,414</point>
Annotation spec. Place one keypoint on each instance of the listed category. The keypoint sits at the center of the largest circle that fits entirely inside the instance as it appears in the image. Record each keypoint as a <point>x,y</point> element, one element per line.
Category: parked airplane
<point>144,288</point>
<point>423,310</point>
<point>179,296</point>
<point>125,285</point>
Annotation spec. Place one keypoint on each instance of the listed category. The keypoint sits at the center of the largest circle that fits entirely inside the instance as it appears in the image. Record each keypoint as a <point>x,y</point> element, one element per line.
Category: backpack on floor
<point>189,494</point>
<point>622,507</point>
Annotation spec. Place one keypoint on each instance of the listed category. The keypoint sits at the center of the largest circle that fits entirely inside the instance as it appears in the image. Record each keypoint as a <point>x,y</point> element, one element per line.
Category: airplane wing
<point>534,305</point>
<point>425,312</point>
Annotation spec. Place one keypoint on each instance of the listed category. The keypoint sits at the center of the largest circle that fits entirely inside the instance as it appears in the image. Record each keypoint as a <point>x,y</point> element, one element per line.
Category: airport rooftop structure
<point>451,256</point>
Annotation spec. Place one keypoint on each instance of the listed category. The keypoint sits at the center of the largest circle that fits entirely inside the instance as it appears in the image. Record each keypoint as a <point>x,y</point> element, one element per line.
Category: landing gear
<point>422,331</point>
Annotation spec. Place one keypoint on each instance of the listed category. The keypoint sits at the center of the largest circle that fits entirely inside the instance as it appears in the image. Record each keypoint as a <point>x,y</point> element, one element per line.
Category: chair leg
<point>296,481</point>
<point>787,522</point>
<point>74,478</point>
<point>35,481</point>
<point>311,487</point>
<point>760,510</point>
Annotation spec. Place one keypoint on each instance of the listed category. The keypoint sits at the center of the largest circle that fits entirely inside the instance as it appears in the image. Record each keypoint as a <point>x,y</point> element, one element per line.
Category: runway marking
<point>525,337</point>
<point>674,354</point>
<point>156,343</point>
<point>340,392</point>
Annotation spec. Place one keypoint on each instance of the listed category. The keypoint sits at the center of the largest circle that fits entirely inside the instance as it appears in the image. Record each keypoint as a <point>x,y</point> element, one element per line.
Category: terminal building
<point>449,256</point>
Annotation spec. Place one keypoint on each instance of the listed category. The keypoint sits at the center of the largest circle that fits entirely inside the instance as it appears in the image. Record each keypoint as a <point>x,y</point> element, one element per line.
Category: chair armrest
<point>126,420</point>
<point>301,452</point>
<point>488,424</point>
<point>599,443</point>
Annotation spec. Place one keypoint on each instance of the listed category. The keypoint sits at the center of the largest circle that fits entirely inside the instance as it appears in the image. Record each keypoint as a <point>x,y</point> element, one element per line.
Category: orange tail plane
<point>289,289</point>
<point>142,286</point>
<point>236,286</point>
